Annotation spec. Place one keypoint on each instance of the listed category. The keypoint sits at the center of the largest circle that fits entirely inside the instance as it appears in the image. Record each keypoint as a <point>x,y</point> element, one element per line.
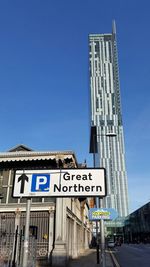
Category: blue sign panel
<point>102,214</point>
<point>40,182</point>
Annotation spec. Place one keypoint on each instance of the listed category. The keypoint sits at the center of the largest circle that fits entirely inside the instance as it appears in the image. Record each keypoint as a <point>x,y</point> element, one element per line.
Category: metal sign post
<point>97,245</point>
<point>94,149</point>
<point>102,230</point>
<point>99,215</point>
<point>102,233</point>
<point>26,235</point>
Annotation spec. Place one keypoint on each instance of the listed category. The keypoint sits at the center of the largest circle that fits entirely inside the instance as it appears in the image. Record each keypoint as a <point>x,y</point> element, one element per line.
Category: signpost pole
<point>99,215</point>
<point>26,235</point>
<point>97,243</point>
<point>102,230</point>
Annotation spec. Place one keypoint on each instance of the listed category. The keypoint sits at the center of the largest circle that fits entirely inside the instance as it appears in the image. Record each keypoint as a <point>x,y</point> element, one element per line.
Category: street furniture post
<point>26,235</point>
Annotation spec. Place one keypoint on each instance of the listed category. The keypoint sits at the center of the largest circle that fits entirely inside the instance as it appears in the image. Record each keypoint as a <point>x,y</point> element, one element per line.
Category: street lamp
<point>99,201</point>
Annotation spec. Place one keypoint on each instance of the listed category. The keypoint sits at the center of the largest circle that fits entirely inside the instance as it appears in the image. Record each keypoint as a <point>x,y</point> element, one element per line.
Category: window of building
<point>10,198</point>
<point>4,194</point>
<point>102,82</point>
<point>97,103</point>
<point>97,47</point>
<point>110,51</point>
<point>5,177</point>
<point>102,122</point>
<point>36,199</point>
<point>49,199</point>
<point>110,122</point>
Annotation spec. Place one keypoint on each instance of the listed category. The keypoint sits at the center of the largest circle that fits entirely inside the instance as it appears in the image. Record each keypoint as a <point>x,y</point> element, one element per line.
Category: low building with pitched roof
<point>59,227</point>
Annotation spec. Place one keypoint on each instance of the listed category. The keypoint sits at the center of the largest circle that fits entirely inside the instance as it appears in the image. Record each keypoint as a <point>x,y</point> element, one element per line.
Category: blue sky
<point>44,83</point>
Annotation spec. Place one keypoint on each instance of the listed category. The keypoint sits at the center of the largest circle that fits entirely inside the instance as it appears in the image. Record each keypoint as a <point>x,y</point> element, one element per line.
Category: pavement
<point>86,259</point>
<point>89,259</point>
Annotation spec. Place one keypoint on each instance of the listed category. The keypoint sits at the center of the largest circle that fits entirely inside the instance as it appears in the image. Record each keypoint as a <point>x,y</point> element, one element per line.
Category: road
<point>133,255</point>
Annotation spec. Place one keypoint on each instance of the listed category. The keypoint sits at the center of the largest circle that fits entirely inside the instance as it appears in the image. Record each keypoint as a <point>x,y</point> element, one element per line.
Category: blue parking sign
<point>40,182</point>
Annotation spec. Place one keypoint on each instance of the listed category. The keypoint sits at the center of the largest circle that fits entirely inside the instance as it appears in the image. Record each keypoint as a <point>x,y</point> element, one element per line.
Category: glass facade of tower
<point>106,116</point>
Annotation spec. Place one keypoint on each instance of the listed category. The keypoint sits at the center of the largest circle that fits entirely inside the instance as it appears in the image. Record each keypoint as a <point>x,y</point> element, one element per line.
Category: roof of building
<point>20,147</point>
<point>23,153</point>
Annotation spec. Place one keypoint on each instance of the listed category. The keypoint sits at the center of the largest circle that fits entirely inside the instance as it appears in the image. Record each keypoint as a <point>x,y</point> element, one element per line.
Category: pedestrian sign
<point>60,182</point>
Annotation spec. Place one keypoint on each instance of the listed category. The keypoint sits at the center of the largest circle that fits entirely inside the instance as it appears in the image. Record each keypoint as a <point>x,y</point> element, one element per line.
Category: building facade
<point>59,227</point>
<point>107,117</point>
<point>137,225</point>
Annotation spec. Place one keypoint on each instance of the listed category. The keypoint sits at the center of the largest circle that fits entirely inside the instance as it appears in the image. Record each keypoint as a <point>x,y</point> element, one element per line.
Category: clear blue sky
<point>44,83</point>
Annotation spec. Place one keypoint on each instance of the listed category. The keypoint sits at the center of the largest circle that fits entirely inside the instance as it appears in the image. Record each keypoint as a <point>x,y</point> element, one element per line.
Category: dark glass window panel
<point>49,199</point>
<point>102,123</point>
<point>97,103</point>
<point>5,177</point>
<point>23,200</point>
<point>4,193</point>
<point>10,198</point>
<point>37,199</point>
<point>109,122</point>
<point>97,47</point>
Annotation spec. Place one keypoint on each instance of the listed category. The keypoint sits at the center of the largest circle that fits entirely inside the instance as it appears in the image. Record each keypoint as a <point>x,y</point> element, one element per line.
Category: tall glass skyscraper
<point>107,117</point>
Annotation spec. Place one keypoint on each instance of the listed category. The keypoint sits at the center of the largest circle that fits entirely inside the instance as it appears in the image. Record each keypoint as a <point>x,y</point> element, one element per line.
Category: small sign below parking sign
<point>96,214</point>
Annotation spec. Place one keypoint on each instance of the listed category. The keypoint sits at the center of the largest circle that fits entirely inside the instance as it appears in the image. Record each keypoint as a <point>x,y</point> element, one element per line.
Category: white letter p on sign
<point>40,180</point>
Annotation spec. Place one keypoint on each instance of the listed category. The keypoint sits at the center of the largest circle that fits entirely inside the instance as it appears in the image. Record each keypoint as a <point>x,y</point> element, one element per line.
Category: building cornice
<point>36,155</point>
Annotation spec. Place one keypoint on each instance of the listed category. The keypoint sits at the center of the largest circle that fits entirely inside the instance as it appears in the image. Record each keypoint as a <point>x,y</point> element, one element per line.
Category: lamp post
<point>99,201</point>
